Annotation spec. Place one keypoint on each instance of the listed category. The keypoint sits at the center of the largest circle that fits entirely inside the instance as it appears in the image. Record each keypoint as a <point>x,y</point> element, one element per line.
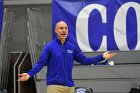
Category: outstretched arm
<point>42,61</point>
<point>81,58</point>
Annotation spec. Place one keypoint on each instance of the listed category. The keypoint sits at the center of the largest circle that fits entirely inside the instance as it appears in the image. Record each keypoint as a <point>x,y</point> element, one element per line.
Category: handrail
<point>21,63</point>
<point>15,71</point>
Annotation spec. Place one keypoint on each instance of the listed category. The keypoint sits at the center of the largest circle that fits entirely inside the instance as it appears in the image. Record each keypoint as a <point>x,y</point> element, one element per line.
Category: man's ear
<point>55,30</point>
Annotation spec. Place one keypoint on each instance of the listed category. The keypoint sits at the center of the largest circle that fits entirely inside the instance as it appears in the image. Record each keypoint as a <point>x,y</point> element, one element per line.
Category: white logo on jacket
<point>69,51</point>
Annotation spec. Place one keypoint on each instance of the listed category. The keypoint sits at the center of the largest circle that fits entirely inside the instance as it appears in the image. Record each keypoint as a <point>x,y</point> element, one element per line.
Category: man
<point>59,56</point>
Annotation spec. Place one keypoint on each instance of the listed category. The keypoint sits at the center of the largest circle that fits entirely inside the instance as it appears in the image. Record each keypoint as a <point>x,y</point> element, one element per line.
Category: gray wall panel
<point>122,56</point>
<point>89,72</point>
<point>26,2</point>
<point>20,31</point>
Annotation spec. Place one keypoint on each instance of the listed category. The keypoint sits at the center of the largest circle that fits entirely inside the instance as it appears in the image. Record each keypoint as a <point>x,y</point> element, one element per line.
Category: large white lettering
<point>82,26</point>
<point>120,26</point>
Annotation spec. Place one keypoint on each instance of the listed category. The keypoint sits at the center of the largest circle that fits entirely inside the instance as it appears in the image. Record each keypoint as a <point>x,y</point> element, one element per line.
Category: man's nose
<point>64,30</point>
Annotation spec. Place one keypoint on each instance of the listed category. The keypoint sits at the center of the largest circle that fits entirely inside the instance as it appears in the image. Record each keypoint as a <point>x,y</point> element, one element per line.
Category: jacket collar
<point>60,41</point>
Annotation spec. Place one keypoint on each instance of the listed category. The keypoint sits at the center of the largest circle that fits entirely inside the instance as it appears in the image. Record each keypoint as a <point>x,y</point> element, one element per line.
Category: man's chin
<point>64,37</point>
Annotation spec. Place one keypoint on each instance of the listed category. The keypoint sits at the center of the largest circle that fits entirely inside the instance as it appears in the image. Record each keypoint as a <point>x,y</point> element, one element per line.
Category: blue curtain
<point>1,15</point>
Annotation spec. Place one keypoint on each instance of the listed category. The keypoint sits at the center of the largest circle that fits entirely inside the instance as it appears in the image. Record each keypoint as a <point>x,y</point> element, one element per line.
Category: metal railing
<point>15,71</point>
<point>5,46</point>
<point>34,33</point>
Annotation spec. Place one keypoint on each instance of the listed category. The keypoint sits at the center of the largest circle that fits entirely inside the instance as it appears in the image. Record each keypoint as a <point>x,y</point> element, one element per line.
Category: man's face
<point>61,30</point>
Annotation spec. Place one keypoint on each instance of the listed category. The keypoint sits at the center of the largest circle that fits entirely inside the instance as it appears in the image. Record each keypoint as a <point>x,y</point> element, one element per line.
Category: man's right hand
<point>23,77</point>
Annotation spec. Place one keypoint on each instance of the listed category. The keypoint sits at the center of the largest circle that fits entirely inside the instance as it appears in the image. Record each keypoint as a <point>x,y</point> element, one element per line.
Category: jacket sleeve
<point>42,61</point>
<point>81,58</point>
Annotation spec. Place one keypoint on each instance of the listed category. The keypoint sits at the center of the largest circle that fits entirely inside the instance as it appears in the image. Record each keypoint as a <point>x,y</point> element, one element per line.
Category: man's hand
<point>108,55</point>
<point>23,77</point>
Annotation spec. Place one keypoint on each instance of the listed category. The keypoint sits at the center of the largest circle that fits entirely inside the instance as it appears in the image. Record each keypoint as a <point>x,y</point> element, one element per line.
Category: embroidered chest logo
<point>69,51</point>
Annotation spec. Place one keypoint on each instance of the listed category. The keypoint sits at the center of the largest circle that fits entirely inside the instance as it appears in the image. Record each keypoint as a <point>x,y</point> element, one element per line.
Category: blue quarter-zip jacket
<point>59,60</point>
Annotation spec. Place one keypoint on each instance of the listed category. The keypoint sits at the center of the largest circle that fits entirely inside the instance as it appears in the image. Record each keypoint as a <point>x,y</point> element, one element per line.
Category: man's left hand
<point>108,55</point>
